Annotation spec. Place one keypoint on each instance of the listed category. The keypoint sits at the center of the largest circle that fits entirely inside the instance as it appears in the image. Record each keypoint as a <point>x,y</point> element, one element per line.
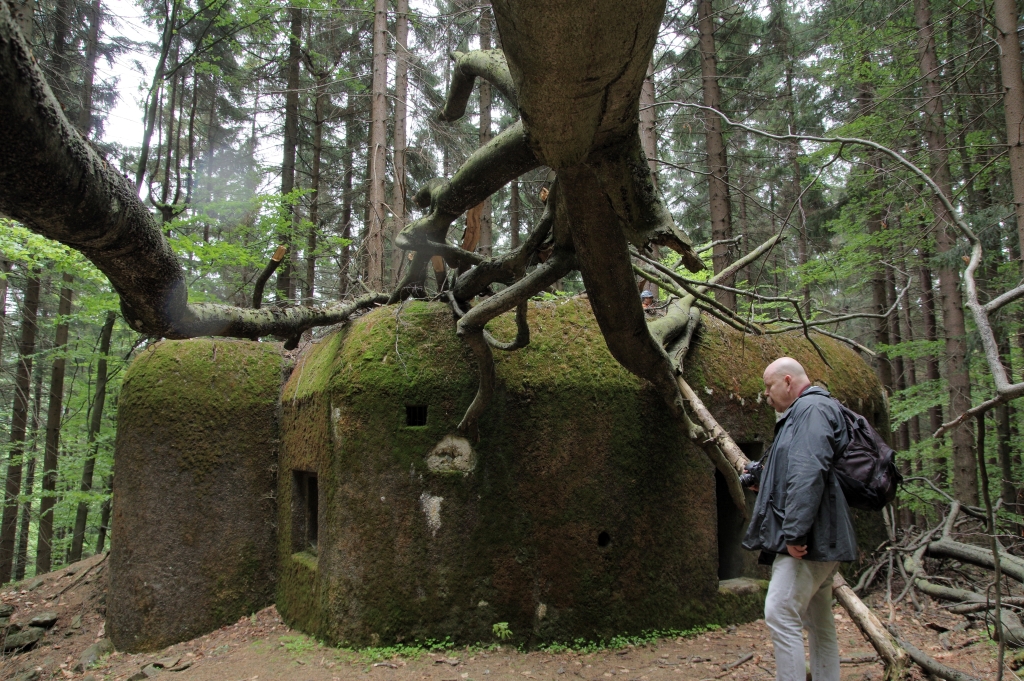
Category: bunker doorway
<point>734,560</point>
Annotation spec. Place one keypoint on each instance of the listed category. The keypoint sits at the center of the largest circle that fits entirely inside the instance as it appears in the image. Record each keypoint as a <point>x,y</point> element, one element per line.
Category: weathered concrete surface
<point>579,511</point>
<point>193,544</point>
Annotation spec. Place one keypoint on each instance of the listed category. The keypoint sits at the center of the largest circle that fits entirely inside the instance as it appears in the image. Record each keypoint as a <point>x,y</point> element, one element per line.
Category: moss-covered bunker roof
<point>414,344</point>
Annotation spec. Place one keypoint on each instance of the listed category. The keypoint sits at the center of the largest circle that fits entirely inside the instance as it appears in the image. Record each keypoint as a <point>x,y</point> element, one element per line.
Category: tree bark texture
<point>54,412</point>
<point>965,477</point>
<point>376,206</point>
<point>95,423</point>
<point>401,143</point>
<point>19,422</point>
<point>1013,101</point>
<point>285,275</point>
<point>718,166</point>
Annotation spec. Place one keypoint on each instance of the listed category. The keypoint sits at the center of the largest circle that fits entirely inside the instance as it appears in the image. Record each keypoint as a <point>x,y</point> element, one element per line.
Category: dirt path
<point>263,648</point>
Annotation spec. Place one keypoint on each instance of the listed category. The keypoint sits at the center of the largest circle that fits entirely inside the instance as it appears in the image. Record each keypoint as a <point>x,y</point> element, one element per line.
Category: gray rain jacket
<point>799,500</point>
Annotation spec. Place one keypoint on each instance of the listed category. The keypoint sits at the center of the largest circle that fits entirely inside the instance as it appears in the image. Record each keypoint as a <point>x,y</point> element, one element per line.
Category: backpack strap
<point>833,524</point>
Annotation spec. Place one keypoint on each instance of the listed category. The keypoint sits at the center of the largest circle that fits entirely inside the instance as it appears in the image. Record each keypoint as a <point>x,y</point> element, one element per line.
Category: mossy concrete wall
<point>193,544</point>
<point>577,510</point>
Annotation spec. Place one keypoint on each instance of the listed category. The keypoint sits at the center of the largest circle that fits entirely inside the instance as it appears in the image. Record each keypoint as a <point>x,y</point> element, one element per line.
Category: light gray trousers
<point>800,597</point>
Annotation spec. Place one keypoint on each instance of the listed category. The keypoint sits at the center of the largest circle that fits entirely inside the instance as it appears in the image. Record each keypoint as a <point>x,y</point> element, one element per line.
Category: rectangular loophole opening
<point>305,511</point>
<point>415,414</point>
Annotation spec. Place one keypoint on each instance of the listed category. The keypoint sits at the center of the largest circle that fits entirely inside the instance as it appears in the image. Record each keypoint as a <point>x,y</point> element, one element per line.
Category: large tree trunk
<point>54,412</point>
<point>718,180</point>
<point>285,278</point>
<point>377,210</point>
<point>965,476</point>
<point>95,423</point>
<point>19,422</point>
<point>1013,101</point>
<point>28,485</point>
<point>401,96</point>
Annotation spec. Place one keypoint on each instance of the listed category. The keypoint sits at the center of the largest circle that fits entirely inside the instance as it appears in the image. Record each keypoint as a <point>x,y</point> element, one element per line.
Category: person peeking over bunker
<point>647,300</point>
<point>801,521</point>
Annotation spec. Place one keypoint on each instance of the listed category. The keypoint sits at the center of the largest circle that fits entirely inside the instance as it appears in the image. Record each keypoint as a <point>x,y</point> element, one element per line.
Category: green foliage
<point>618,642</point>
<point>501,631</point>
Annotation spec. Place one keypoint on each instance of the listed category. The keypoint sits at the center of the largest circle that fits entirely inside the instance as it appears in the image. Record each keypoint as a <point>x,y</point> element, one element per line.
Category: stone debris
<point>44,620</point>
<point>23,640</point>
<point>93,653</point>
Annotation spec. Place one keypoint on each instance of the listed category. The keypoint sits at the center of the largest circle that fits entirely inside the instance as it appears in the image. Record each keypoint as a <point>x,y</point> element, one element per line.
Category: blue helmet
<point>646,294</point>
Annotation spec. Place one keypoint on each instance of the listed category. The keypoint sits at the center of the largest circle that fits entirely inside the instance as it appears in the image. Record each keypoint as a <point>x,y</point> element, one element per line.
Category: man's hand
<point>797,551</point>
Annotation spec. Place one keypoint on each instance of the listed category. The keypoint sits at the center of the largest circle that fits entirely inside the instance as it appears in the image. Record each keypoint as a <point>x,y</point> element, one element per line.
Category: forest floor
<point>263,648</point>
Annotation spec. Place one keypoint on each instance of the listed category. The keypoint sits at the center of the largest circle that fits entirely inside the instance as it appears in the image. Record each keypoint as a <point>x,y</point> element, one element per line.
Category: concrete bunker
<point>577,510</point>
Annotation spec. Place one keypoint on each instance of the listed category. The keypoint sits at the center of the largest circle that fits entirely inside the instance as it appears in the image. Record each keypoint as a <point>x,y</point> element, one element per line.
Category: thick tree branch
<point>487,64</point>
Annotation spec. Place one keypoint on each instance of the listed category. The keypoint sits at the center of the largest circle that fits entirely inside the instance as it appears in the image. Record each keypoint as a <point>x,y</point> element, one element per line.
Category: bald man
<point>801,523</point>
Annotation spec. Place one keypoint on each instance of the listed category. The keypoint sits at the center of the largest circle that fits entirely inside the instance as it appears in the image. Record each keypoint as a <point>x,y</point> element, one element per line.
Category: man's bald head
<point>784,380</point>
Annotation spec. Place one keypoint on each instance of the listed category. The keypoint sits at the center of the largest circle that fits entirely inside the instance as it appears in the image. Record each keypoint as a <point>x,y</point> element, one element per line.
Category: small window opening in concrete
<point>604,539</point>
<point>305,511</point>
<point>415,414</point>
<point>734,560</point>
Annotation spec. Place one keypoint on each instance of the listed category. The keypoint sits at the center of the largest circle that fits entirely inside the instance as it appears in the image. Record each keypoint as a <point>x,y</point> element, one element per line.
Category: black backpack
<point>866,469</point>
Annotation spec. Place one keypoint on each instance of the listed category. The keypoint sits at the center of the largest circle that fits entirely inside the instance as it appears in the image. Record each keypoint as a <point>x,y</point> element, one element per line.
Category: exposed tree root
<point>471,326</point>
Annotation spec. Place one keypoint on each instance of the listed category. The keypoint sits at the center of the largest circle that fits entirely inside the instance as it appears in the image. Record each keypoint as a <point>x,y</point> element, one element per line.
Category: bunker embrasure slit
<point>733,560</point>
<point>305,511</point>
<point>415,414</point>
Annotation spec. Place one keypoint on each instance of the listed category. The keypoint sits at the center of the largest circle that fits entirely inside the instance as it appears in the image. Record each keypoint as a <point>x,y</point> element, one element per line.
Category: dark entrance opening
<point>305,511</point>
<point>733,559</point>
<point>415,414</point>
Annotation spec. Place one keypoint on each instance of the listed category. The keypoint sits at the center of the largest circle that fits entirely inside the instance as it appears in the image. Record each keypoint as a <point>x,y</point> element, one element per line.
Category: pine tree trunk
<point>486,244</point>
<point>167,39</point>
<point>718,180</point>
<point>101,536</point>
<point>91,51</point>
<point>376,209</point>
<point>21,550</point>
<point>320,107</point>
<point>95,423</point>
<point>514,208</point>
<point>285,283</point>
<point>1013,101</point>
<point>5,270</point>
<point>346,209</point>
<point>965,477</point>
<point>54,411</point>
<point>931,334</point>
<point>401,96</point>
<point>19,422</point>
